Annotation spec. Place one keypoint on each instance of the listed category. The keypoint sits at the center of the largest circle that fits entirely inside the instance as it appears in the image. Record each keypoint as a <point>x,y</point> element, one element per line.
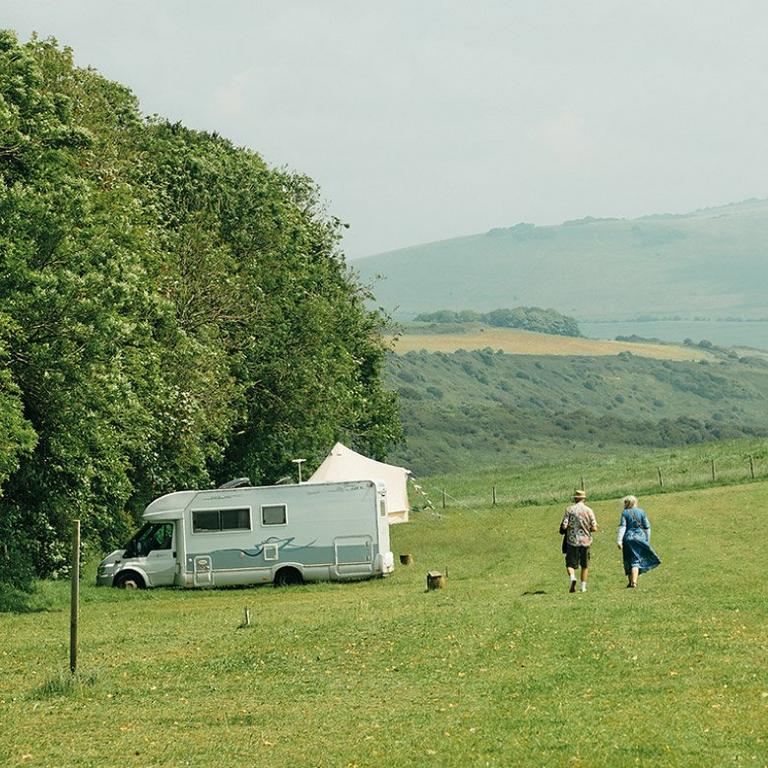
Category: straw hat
<point>579,495</point>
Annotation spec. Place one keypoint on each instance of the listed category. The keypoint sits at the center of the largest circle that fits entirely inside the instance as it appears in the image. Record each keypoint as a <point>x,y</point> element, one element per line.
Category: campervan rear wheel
<point>129,580</point>
<point>288,577</point>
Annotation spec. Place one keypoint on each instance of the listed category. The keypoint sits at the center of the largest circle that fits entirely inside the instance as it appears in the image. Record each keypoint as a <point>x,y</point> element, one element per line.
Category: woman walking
<point>634,541</point>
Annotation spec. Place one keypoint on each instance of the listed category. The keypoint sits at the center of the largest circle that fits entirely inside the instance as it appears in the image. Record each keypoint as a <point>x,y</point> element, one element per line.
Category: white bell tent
<point>343,463</point>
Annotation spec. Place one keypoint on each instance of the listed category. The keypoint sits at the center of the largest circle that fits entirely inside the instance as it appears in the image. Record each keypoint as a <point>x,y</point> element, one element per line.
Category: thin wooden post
<point>443,498</point>
<point>713,471</point>
<point>661,478</point>
<point>246,617</point>
<point>583,485</point>
<point>74,599</point>
<point>494,495</point>
<point>751,467</point>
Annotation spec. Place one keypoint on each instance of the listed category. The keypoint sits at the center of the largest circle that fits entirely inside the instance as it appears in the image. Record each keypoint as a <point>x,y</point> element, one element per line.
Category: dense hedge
<point>525,318</point>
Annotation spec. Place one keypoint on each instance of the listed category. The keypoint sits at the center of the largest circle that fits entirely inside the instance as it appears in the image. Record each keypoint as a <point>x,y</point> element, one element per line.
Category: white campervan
<point>283,534</point>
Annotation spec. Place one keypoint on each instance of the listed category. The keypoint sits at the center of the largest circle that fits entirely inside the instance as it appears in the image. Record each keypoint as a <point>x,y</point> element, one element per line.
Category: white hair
<point>629,502</point>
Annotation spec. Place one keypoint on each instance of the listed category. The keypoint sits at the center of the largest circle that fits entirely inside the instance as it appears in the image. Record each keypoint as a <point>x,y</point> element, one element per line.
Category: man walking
<point>578,525</point>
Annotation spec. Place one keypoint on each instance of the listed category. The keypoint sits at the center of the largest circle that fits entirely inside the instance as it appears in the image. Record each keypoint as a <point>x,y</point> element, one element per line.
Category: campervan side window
<point>235,519</point>
<point>274,514</point>
<point>205,521</point>
<point>214,520</point>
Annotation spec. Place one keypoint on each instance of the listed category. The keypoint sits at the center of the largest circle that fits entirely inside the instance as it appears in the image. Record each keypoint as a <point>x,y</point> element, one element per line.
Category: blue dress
<point>636,550</point>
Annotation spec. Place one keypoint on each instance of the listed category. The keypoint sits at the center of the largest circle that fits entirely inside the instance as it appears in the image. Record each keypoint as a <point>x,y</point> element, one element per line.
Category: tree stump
<point>406,559</point>
<point>435,580</point>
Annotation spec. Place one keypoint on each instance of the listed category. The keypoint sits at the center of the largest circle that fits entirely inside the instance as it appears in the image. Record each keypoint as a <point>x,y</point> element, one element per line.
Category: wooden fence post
<point>751,467</point>
<point>494,495</point>
<point>713,471</point>
<point>583,485</point>
<point>74,598</point>
<point>443,498</point>
<point>661,478</point>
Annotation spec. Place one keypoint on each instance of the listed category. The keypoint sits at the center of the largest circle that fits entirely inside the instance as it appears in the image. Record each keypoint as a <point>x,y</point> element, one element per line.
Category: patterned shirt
<point>581,522</point>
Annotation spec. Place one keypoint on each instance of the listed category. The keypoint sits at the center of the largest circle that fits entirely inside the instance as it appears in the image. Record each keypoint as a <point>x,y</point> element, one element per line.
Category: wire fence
<point>553,484</point>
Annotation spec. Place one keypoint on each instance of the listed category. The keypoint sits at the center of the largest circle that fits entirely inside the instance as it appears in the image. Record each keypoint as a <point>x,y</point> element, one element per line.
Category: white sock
<point>583,586</point>
<point>572,577</point>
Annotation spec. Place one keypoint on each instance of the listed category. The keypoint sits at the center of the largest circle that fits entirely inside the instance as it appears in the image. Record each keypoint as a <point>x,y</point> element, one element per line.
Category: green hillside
<point>707,263</point>
<point>487,407</point>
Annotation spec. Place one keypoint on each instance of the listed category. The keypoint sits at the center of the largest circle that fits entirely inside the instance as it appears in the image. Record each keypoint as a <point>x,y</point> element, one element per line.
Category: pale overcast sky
<point>428,119</point>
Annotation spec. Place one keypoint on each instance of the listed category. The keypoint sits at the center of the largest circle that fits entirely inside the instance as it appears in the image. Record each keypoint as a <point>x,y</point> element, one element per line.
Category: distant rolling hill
<point>711,263</point>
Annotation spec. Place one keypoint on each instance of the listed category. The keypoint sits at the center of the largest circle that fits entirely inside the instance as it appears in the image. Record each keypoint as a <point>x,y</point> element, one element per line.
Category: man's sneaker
<point>573,586</point>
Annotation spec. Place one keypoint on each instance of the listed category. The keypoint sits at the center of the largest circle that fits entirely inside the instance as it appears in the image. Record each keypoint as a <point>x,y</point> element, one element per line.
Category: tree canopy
<point>174,312</point>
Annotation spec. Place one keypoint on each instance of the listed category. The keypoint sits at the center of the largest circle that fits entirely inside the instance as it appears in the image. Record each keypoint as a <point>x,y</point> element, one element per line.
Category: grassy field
<point>517,342</point>
<point>501,668</point>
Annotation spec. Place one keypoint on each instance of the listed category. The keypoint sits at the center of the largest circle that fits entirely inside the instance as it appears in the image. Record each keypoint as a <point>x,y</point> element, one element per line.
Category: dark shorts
<point>576,557</point>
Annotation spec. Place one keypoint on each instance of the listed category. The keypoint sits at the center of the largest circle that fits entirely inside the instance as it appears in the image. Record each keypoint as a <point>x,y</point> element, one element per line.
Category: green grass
<point>501,668</point>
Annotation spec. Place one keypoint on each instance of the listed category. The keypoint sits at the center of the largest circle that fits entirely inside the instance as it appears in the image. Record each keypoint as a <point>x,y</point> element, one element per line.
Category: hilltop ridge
<point>709,261</point>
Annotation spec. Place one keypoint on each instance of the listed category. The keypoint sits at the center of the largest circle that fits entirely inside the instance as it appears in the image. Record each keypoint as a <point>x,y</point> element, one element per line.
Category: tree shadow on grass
<point>14,600</point>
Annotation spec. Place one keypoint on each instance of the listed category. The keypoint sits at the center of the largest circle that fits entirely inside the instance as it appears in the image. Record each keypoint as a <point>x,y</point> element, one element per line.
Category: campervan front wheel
<point>288,577</point>
<point>129,580</point>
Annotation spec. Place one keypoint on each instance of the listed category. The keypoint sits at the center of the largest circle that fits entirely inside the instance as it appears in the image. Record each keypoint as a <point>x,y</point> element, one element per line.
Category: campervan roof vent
<point>236,483</point>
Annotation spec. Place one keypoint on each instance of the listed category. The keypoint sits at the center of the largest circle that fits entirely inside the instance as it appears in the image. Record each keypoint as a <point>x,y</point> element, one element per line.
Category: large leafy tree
<point>173,312</point>
<point>276,299</point>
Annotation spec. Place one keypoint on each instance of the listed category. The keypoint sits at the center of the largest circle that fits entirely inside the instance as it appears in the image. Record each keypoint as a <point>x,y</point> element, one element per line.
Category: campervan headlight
<point>105,569</point>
